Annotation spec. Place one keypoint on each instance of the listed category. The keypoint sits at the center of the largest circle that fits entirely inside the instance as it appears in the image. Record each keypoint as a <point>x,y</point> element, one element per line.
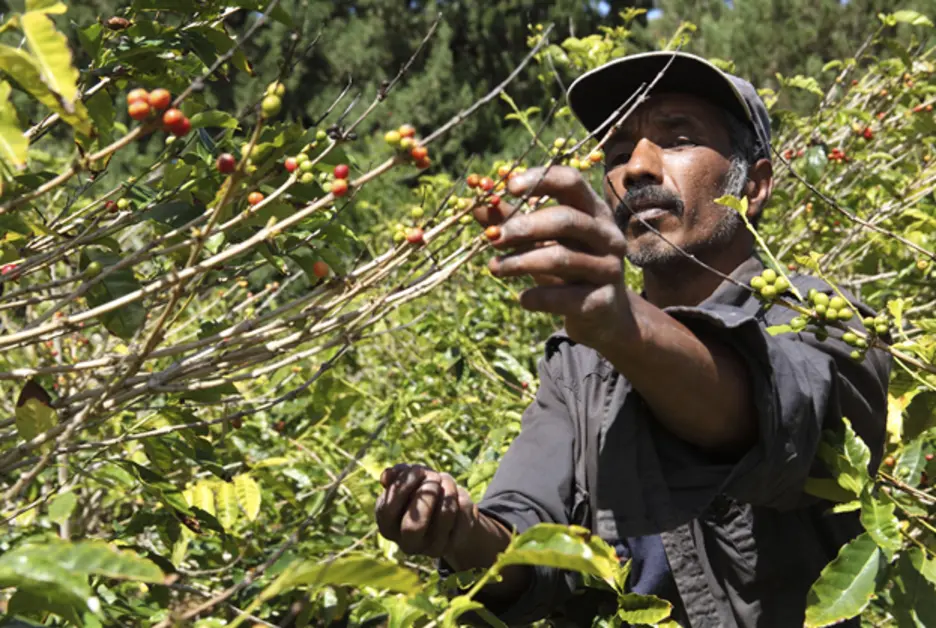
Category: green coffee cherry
<point>850,338</point>
<point>321,135</point>
<point>758,283</point>
<point>821,299</point>
<point>301,158</point>
<point>307,178</point>
<point>856,355</point>
<point>831,315</point>
<point>271,106</point>
<point>769,275</point>
<point>768,292</point>
<point>306,166</point>
<point>881,329</point>
<point>416,212</point>
<point>93,269</point>
<point>798,323</point>
<point>861,343</point>
<point>782,285</point>
<point>123,203</point>
<point>821,310</point>
<point>837,303</point>
<point>844,314</point>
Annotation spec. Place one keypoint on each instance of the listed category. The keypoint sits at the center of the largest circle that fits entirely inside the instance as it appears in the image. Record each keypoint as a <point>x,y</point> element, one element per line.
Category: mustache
<point>647,194</point>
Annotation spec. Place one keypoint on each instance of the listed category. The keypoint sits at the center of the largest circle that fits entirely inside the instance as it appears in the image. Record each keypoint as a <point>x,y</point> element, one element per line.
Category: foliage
<point>199,410</point>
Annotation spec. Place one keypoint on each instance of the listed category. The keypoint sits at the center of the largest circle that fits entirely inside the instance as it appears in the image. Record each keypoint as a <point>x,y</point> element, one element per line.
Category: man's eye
<point>682,141</point>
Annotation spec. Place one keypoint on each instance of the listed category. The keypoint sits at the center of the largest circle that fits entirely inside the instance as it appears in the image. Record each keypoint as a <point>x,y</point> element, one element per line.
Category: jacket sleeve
<point>534,483</point>
<point>800,386</point>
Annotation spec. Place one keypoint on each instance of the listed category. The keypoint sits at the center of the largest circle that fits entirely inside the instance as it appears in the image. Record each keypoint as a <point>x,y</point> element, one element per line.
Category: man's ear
<point>759,187</point>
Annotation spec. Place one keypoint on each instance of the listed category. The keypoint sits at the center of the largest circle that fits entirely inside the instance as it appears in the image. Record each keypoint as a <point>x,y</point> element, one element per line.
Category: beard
<point>657,252</point>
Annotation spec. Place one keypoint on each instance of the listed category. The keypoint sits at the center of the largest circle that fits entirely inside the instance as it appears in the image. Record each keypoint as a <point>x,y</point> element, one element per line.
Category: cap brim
<point>596,95</point>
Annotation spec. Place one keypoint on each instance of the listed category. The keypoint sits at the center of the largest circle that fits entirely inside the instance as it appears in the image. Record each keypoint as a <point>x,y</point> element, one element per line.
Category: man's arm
<point>697,386</point>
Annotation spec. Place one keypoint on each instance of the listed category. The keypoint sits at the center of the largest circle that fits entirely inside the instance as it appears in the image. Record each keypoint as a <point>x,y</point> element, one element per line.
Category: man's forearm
<point>488,539</point>
<point>698,388</point>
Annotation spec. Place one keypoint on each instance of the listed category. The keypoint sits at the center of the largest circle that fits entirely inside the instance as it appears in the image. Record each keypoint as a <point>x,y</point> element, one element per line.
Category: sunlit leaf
<point>50,50</point>
<point>634,608</point>
<point>61,507</point>
<point>356,571</point>
<point>24,69</point>
<point>226,504</point>
<point>248,495</point>
<point>880,523</point>
<point>13,144</point>
<point>565,547</point>
<point>845,585</point>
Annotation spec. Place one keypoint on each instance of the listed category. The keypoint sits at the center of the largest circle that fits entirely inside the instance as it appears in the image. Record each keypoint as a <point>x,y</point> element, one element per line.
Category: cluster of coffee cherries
<point>272,100</point>
<point>581,162</point>
<point>838,155</point>
<point>769,285</point>
<point>303,163</point>
<point>404,140</point>
<point>142,104</point>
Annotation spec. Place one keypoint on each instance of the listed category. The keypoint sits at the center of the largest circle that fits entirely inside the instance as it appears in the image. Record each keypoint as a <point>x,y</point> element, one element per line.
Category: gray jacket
<point>744,542</point>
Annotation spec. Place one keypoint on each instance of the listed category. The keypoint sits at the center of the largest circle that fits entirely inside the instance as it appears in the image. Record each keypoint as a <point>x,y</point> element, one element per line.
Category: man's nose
<point>645,164</point>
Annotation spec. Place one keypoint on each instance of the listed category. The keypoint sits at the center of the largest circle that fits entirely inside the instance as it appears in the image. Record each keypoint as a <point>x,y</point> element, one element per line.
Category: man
<point>670,422</point>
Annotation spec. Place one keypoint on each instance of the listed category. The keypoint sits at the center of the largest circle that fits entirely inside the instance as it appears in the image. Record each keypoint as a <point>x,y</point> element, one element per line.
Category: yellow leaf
<point>24,69</point>
<point>13,144</point>
<point>895,409</point>
<point>248,495</point>
<point>50,49</point>
<point>202,497</point>
<point>226,504</point>
<point>46,6</point>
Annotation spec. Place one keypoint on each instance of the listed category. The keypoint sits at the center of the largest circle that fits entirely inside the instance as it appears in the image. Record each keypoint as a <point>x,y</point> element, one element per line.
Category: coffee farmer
<point>668,422</point>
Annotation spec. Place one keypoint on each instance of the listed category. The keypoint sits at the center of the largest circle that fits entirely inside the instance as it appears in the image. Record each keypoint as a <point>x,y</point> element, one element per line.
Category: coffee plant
<point>219,322</point>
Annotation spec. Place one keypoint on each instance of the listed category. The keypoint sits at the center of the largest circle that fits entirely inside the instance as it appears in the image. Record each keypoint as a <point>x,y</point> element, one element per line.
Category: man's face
<point>669,162</point>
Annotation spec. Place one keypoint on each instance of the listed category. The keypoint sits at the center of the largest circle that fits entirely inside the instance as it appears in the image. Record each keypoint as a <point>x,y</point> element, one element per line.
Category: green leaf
<point>125,320</point>
<point>845,585</point>
<point>913,594</point>
<point>34,412</point>
<point>564,547</point>
<point>910,17</point>
<point>213,119</point>
<point>355,571</point>
<point>847,457</point>
<point>879,521</point>
<point>248,495</point>
<point>221,43</point>
<point>923,564</point>
<point>51,52</point>
<point>912,459</point>
<point>24,69</point>
<point>100,559</point>
<point>27,569</point>
<point>815,163</point>
<point>806,83</point>
<point>226,504</point>
<point>634,608</point>
<point>13,144</point>
<point>62,506</point>
<point>828,489</point>
<point>160,454</point>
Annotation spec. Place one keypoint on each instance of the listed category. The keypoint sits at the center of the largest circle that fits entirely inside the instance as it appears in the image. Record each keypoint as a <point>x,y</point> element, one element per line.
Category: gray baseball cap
<point>595,95</point>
